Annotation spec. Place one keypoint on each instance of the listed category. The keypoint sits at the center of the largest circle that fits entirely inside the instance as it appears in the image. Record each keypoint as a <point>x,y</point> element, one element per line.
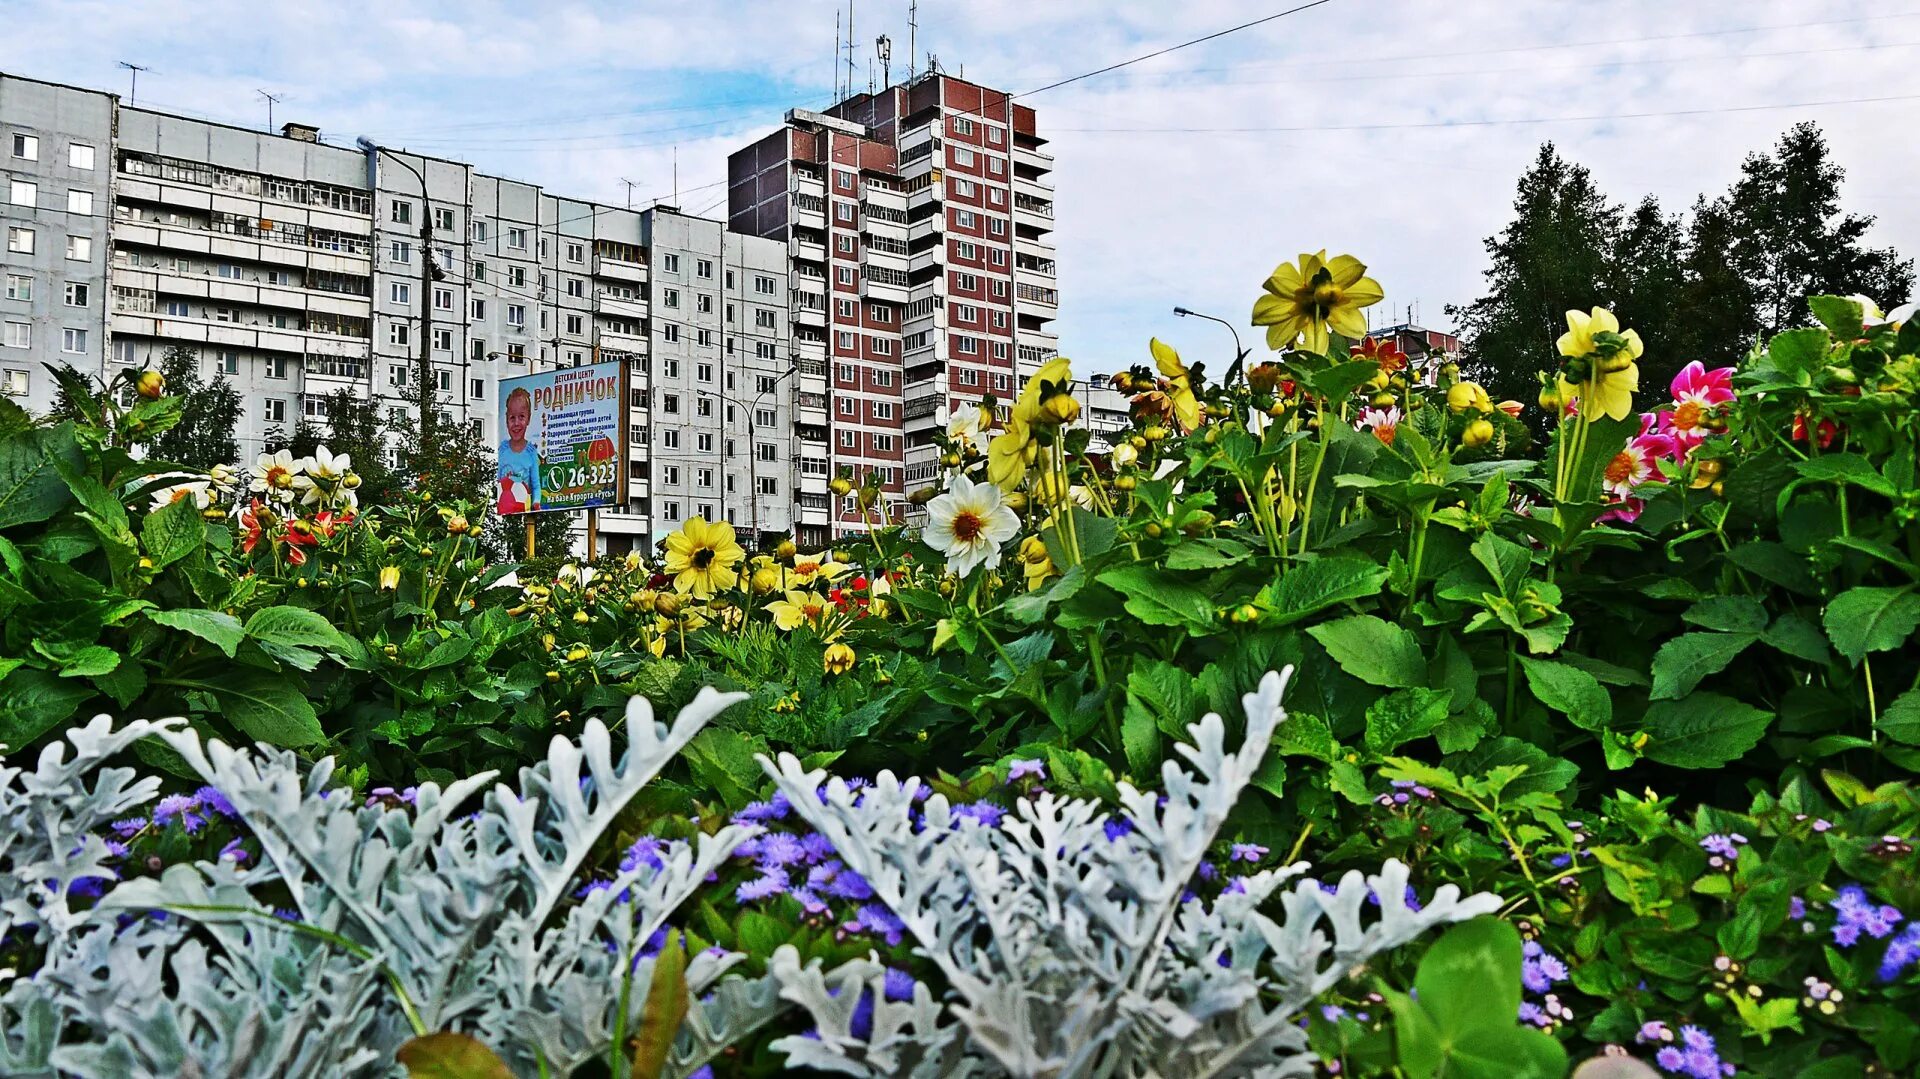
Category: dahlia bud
<point>150,384</point>
<point>1477,434</point>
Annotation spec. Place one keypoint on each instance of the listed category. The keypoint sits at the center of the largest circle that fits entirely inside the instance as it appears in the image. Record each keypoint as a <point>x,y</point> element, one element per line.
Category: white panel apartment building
<point>297,269</point>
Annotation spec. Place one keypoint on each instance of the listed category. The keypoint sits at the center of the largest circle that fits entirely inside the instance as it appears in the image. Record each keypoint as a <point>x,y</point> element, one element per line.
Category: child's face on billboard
<point>518,412</point>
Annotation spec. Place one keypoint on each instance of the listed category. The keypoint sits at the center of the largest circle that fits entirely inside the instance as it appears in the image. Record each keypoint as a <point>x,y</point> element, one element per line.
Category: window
<point>672,510</point>
<point>843,340</point>
<point>670,263</point>
<point>480,273</point>
<point>703,442</point>
<point>443,299</point>
<point>20,241</point>
<point>849,439</point>
<point>228,271</point>
<point>517,316</point>
<point>26,147</point>
<point>703,304</point>
<point>843,211</point>
<point>670,438</point>
<point>997,226</point>
<point>77,294</point>
<point>80,157</point>
<point>763,350</point>
<point>996,167</point>
<point>703,372</point>
<point>576,252</point>
<point>703,477</point>
<point>882,347</point>
<point>845,373</point>
<point>965,219</point>
<point>882,410</point>
<point>669,332</point>
<point>703,268</point>
<point>443,220</point>
<point>964,250</point>
<point>763,285</point>
<point>769,485</point>
<point>962,156</point>
<point>703,405</point>
<point>729,280</point>
<point>670,297</point>
<point>878,313</point>
<point>883,443</point>
<point>999,290</point>
<point>478,231</point>
<point>445,379</point>
<point>517,276</point>
<point>276,366</point>
<point>399,333</point>
<point>516,353</point>
<point>178,309</point>
<point>998,256</point>
<point>79,248</point>
<point>1002,382</point>
<point>401,293</point>
<point>517,239</point>
<point>19,287</point>
<point>966,282</point>
<point>766,383</point>
<point>965,312</point>
<point>765,417</point>
<point>226,362</point>
<point>443,340</point>
<point>843,180</point>
<point>999,320</point>
<point>19,335</point>
<point>969,377</point>
<point>23,193</point>
<point>17,383</point>
<point>479,308</point>
<point>576,325</point>
<point>846,406</point>
<point>763,319</point>
<point>670,403</point>
<point>402,252</point>
<point>575,287</point>
<point>969,346</point>
<point>703,337</point>
<point>963,188</point>
<point>844,243</point>
<point>80,202</point>
<point>848,309</point>
<point>402,212</point>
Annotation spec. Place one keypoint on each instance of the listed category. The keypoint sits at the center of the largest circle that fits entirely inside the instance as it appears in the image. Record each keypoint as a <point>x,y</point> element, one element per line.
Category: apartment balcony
<point>930,195</point>
<point>882,259</point>
<point>925,405</point>
<point>812,351</point>
<point>811,484</point>
<point>1032,159</point>
<point>1032,248</point>
<point>619,269</point>
<point>809,316</point>
<point>1041,340</point>
<point>885,289</point>
<point>812,409</point>
<point>621,307</point>
<point>1032,267</point>
<point>1032,189</point>
<point>883,199</point>
<point>1033,213</point>
<point>807,250</point>
<point>1031,296</point>
<point>808,217</point>
<point>325,374</point>
<point>252,336</point>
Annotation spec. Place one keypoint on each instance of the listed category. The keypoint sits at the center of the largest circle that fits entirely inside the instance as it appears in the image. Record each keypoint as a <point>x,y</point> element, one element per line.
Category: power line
<point>1175,48</point>
<point>1482,123</point>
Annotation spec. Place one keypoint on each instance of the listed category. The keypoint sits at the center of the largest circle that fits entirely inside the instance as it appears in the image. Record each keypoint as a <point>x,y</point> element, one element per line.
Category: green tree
<point>1645,282</point>
<point>1557,254</point>
<point>1716,301</point>
<point>1789,239</point>
<point>209,414</point>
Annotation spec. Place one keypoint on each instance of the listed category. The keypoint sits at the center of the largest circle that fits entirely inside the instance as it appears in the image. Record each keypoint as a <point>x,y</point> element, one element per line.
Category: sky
<point>1393,130</point>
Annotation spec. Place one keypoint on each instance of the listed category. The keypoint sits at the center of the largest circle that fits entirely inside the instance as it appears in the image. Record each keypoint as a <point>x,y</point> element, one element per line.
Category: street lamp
<point>429,273</point>
<point>1241,353</point>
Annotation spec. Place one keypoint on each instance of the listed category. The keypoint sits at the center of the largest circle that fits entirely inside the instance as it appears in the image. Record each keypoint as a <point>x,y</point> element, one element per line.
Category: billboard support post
<point>593,534</point>
<point>529,537</point>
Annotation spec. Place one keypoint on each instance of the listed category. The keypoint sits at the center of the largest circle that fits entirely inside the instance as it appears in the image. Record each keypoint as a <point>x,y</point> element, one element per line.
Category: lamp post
<point>429,273</point>
<point>1240,357</point>
<point>753,459</point>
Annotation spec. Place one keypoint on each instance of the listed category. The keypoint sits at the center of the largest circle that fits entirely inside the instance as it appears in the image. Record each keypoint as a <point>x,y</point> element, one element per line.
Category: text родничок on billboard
<point>563,439</point>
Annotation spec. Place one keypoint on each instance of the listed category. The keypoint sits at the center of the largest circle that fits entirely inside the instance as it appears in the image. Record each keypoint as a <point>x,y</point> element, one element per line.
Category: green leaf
<point>35,701</point>
<point>217,628</point>
<point>450,1055</point>
<point>1862,620</point>
<point>1845,468</point>
<point>1570,691</point>
<point>1841,315</point>
<point>1544,773</point>
<point>31,488</point>
<point>1404,715</point>
<point>265,706</point>
<point>1140,738</point>
<point>1776,563</point>
<point>666,1008</point>
<point>1029,607</point>
<point>1470,978</point>
<point>1682,662</point>
<point>1159,599</point>
<point>723,759</point>
<point>1308,588</point>
<point>1373,650</point>
<point>88,662</point>
<point>1802,351</point>
<point>293,627</point>
<point>1336,382</point>
<point>1900,720</point>
<point>1207,553</point>
<point>1797,637</point>
<point>1731,614</point>
<point>1165,693</point>
<point>172,532</point>
<point>1704,730</point>
<point>1303,735</point>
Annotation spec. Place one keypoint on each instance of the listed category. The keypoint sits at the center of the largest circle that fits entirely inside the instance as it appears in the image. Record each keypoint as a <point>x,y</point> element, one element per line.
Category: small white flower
<point>274,475</point>
<point>1124,455</point>
<point>969,524</point>
<point>321,475</point>
<point>194,489</point>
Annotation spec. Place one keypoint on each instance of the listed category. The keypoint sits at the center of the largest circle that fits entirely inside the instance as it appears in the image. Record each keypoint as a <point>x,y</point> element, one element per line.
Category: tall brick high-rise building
<point>916,220</point>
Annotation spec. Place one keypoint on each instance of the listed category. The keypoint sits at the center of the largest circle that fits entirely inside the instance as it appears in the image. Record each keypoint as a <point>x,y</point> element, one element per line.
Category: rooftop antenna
<point>883,45</point>
<point>913,35</point>
<point>631,184</point>
<point>836,54</point>
<point>272,99</point>
<point>852,70</point>
<point>135,85</point>
<point>676,176</point>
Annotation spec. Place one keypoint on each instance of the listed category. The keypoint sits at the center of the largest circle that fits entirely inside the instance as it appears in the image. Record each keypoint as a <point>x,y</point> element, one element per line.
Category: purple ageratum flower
<point>818,848</point>
<point>182,806</point>
<point>1036,770</point>
<point>117,849</point>
<point>648,851</point>
<point>1236,886</point>
<point>234,852</point>
<point>1856,913</point>
<point>781,849</point>
<point>1702,1063</point>
<point>1246,852</point>
<point>1207,871</point>
<point>1902,952</point>
<point>1332,1012</point>
<point>127,829</point>
<point>704,1071</point>
<point>899,986</point>
<point>211,798</point>
<point>842,883</point>
<point>1796,908</point>
<point>773,809</point>
<point>986,814</point>
<point>1671,1059</point>
<point>876,919</point>
<point>1696,1039</point>
<point>860,1024</point>
<point>810,903</point>
<point>1531,1013</point>
<point>1115,827</point>
<point>1654,1031</point>
<point>771,882</point>
<point>854,784</point>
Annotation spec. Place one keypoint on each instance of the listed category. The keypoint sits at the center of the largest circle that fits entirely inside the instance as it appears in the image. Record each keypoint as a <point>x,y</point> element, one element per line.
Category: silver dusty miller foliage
<point>1075,954</point>
<point>406,919</point>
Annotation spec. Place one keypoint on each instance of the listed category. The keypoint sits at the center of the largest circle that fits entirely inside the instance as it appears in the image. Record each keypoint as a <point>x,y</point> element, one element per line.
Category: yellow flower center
<point>806,567</point>
<point>1620,469</point>
<point>702,558</point>
<point>1687,415</point>
<point>968,525</point>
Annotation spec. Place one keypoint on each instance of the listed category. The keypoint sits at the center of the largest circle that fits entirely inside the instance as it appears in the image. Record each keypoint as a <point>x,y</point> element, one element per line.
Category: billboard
<point>565,440</point>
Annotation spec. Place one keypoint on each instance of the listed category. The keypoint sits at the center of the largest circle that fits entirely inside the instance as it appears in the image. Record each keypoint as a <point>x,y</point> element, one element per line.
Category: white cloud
<point>1147,218</point>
